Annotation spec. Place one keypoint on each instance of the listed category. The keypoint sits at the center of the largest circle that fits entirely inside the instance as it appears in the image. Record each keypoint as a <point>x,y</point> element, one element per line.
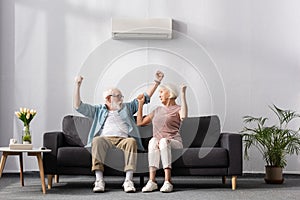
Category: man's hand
<point>78,80</point>
<point>159,75</point>
<point>77,99</point>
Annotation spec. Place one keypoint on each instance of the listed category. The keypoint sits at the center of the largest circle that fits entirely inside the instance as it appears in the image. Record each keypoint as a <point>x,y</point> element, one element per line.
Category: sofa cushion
<point>115,159</point>
<point>74,157</point>
<point>76,130</point>
<point>201,131</point>
<point>146,133</point>
<point>201,157</point>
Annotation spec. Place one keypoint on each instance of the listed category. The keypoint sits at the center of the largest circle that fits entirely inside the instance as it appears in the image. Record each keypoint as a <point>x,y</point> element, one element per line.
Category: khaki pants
<point>100,145</point>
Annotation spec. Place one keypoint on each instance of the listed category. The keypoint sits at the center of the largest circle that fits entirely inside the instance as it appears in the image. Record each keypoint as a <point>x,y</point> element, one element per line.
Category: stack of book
<point>20,146</point>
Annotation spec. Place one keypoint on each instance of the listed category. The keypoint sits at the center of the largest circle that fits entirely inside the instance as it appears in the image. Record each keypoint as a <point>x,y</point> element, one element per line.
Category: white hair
<point>172,90</point>
<point>109,92</point>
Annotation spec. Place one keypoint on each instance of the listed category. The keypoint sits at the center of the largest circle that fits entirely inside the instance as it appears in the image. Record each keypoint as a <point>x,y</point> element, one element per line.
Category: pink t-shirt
<point>166,122</point>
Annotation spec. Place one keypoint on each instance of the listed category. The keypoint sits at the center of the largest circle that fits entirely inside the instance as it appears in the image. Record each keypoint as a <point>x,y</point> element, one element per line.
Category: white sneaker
<point>150,186</point>
<point>99,186</point>
<point>128,186</point>
<point>167,187</point>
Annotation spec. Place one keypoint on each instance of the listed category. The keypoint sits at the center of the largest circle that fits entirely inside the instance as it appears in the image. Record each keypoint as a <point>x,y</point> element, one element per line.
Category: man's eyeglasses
<point>119,96</point>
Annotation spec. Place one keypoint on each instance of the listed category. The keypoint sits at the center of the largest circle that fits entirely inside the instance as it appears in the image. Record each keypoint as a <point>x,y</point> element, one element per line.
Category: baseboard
<point>263,172</point>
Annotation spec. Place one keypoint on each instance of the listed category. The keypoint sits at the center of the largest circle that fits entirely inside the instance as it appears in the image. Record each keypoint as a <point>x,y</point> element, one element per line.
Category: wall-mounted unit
<point>155,28</point>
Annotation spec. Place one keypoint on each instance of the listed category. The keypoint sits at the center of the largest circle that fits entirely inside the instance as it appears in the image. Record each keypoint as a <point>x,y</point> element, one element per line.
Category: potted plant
<point>274,142</point>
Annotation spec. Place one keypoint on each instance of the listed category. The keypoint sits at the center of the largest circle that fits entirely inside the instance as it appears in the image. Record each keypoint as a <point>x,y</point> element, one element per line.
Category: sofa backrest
<point>76,129</point>
<point>146,134</point>
<point>201,131</point>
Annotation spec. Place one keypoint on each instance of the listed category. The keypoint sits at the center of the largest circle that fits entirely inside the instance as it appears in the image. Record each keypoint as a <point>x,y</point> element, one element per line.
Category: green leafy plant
<point>273,142</point>
<point>27,137</point>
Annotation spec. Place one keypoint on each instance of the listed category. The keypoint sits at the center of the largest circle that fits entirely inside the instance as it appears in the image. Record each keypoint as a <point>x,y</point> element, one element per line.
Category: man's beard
<point>116,105</point>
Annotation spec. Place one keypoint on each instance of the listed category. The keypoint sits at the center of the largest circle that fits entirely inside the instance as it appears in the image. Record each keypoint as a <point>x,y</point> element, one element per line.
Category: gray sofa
<point>206,152</point>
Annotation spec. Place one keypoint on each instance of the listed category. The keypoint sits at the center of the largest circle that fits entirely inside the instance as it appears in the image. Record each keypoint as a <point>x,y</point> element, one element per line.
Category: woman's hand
<point>183,88</point>
<point>141,99</point>
<point>184,109</point>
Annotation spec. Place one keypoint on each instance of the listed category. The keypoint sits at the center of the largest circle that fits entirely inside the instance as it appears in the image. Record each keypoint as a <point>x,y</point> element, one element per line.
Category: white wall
<point>253,45</point>
<point>7,97</point>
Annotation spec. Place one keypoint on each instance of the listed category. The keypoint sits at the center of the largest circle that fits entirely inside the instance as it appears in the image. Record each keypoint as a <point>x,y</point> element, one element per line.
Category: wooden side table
<point>19,152</point>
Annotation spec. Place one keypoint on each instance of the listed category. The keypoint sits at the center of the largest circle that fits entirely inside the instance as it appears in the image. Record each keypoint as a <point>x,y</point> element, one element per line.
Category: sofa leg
<point>56,178</point>
<point>233,182</point>
<point>141,181</point>
<point>50,177</point>
<point>223,179</point>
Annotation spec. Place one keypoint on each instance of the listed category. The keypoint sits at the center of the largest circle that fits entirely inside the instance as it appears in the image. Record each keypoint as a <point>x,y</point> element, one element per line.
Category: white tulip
<point>18,114</point>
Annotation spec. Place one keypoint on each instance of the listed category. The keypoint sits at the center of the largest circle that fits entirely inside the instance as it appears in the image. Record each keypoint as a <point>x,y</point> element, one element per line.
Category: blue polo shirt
<point>99,114</point>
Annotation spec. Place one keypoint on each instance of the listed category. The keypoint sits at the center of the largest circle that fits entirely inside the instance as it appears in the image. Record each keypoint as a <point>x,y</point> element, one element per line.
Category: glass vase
<point>26,135</point>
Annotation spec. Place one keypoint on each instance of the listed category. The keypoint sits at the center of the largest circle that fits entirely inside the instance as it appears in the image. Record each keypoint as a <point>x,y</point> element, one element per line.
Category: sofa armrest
<point>233,143</point>
<point>52,140</point>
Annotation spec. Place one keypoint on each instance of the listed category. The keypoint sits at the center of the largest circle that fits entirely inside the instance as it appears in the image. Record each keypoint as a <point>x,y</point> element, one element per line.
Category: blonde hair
<point>172,90</point>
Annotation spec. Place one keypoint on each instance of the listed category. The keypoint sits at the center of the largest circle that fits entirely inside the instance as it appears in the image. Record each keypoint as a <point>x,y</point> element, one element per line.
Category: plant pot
<point>273,175</point>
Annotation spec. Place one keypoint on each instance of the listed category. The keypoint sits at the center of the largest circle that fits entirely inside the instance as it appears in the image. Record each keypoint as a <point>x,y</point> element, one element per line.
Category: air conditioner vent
<point>156,28</point>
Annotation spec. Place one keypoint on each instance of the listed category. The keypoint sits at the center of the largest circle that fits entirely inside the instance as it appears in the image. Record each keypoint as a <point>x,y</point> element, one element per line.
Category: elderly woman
<point>166,120</point>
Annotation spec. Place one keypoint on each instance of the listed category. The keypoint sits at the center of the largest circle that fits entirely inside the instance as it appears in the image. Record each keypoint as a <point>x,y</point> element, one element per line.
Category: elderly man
<point>113,126</point>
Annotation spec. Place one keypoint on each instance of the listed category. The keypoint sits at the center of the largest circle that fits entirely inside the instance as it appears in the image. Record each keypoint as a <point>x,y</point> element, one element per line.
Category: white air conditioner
<point>156,28</point>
